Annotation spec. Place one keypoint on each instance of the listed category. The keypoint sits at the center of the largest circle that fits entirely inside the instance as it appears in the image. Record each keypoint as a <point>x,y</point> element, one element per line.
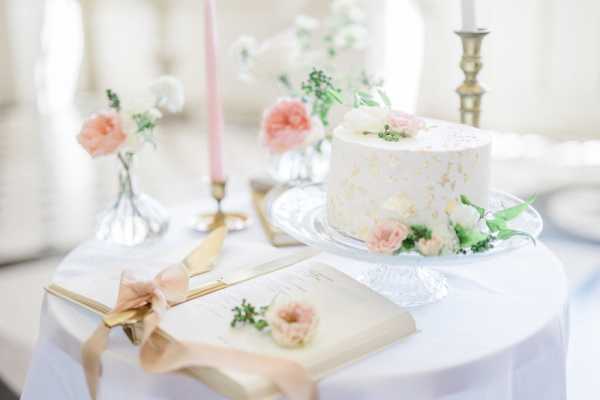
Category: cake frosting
<point>417,178</point>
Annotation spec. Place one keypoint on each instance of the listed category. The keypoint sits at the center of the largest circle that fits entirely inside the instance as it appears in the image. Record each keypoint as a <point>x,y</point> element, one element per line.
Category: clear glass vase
<point>309,164</point>
<point>135,217</point>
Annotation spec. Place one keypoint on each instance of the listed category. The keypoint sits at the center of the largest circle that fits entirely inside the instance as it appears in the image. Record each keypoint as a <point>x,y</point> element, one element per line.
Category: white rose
<point>366,119</point>
<point>401,207</point>
<point>306,23</point>
<point>168,92</point>
<point>464,215</point>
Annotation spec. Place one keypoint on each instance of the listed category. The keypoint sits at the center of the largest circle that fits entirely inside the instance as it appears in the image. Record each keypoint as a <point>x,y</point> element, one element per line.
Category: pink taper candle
<point>213,101</point>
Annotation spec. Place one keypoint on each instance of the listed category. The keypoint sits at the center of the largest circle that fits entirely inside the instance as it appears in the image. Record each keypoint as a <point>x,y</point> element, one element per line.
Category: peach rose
<point>102,134</point>
<point>286,125</point>
<point>293,323</point>
<point>431,247</point>
<point>387,236</point>
<point>406,123</point>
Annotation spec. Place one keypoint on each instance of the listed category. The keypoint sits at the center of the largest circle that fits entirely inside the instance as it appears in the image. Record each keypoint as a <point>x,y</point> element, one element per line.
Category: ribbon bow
<point>157,354</point>
<point>169,287</point>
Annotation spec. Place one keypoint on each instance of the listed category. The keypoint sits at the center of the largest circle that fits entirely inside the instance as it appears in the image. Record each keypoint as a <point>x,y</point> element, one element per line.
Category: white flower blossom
<point>366,119</point>
<point>306,23</point>
<point>447,236</point>
<point>464,215</point>
<point>168,92</point>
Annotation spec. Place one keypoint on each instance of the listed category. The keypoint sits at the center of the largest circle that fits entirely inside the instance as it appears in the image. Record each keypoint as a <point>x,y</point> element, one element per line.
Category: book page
<point>354,320</point>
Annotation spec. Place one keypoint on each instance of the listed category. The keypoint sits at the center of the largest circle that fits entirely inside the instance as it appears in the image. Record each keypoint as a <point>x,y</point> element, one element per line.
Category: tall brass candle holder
<point>234,221</point>
<point>471,91</point>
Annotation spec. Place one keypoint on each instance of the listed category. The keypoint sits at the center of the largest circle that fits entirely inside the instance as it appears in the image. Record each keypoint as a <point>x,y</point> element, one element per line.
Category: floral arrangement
<point>471,229</point>
<point>290,323</point>
<point>116,131</point>
<point>307,43</point>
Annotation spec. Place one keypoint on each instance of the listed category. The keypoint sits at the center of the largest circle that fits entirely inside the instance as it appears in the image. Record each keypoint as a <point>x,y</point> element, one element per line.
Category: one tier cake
<point>387,164</point>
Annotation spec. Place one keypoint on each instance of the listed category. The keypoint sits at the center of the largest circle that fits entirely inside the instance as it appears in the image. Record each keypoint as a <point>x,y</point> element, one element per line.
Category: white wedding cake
<point>387,164</point>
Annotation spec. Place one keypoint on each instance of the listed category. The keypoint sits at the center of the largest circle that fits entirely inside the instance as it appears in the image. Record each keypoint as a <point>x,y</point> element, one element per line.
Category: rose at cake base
<point>388,165</point>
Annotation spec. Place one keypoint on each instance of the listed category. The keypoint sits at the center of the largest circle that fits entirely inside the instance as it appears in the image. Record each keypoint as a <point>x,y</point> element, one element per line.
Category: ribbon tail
<point>91,351</point>
<point>161,355</point>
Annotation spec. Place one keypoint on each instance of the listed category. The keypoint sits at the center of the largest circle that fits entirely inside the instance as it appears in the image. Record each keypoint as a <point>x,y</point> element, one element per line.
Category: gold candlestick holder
<point>235,221</point>
<point>471,91</point>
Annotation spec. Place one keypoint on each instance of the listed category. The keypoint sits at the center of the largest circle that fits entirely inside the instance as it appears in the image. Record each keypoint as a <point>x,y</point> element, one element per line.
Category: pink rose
<point>293,323</point>
<point>431,247</point>
<point>406,123</point>
<point>286,125</point>
<point>387,237</point>
<point>102,133</point>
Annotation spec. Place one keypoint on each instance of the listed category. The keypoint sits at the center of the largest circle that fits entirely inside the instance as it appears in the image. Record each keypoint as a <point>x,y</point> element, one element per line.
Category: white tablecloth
<point>501,334</point>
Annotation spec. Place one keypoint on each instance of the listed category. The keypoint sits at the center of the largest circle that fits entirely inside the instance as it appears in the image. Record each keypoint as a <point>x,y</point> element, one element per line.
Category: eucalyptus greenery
<point>247,314</point>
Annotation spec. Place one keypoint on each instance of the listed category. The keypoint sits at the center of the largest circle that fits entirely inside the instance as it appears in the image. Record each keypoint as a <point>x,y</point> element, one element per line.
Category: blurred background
<point>541,66</point>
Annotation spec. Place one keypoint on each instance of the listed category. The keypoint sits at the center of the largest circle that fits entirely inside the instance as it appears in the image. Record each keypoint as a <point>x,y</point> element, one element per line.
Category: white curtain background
<point>541,60</point>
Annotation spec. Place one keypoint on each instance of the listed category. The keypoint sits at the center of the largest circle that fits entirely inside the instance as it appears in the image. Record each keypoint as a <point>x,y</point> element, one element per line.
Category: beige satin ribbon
<point>157,354</point>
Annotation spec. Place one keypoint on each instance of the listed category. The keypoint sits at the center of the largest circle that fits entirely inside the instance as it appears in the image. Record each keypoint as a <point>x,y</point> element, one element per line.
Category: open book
<point>354,321</point>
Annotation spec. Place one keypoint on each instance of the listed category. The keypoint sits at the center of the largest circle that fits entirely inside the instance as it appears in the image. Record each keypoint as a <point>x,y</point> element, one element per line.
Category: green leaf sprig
<point>324,94</point>
<point>497,224</point>
<point>417,232</point>
<point>388,134</point>
<point>247,314</point>
<point>113,100</point>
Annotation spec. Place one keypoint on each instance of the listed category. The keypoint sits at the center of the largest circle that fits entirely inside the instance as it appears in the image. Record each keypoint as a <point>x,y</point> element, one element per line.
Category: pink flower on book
<point>286,125</point>
<point>405,123</point>
<point>430,247</point>
<point>387,236</point>
<point>102,133</point>
<point>293,324</point>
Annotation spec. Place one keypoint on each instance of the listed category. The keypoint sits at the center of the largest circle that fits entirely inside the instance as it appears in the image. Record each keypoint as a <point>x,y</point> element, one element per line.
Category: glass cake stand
<point>404,278</point>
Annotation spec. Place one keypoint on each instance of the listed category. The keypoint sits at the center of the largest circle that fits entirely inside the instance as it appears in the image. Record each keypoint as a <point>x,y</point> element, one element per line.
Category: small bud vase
<point>308,164</point>
<point>135,217</point>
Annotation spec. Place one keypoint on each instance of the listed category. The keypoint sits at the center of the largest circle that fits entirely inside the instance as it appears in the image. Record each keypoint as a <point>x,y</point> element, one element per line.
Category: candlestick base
<point>207,222</point>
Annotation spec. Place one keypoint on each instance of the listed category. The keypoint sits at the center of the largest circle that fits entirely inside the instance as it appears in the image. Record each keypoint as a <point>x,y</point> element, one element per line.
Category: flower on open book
<point>292,323</point>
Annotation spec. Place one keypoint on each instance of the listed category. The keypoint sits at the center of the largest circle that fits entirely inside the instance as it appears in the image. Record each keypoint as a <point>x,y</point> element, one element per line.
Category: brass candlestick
<point>470,91</point>
<point>234,221</point>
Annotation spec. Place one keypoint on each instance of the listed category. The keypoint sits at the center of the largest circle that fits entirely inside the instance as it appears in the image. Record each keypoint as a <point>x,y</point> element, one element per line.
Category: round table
<point>500,334</point>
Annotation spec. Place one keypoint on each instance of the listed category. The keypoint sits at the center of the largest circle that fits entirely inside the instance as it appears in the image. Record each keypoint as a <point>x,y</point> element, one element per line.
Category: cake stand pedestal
<point>406,286</point>
<point>404,278</point>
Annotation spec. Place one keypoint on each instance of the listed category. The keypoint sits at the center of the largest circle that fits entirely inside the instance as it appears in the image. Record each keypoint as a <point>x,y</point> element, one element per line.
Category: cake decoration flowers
<point>291,323</point>
<point>387,236</point>
<point>470,228</point>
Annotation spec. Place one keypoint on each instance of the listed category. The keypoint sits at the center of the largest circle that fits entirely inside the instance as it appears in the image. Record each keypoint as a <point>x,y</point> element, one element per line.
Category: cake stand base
<point>406,286</point>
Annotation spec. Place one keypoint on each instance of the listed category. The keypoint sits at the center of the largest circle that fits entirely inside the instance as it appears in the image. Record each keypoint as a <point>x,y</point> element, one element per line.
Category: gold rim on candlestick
<point>234,221</point>
<point>471,91</point>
